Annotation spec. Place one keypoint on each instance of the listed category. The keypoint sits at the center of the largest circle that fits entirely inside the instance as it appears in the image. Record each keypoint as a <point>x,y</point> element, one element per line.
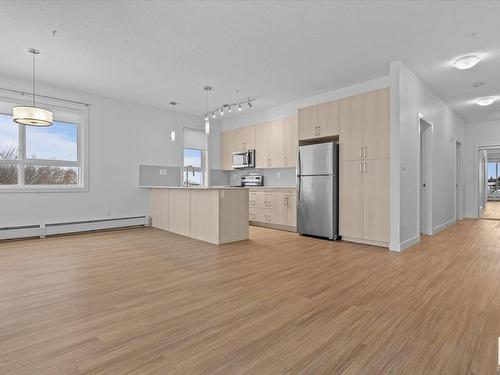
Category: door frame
<point>425,227</point>
<point>458,181</point>
<point>475,171</point>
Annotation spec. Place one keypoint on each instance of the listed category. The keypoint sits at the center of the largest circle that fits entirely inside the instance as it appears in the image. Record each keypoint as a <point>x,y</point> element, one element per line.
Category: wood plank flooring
<point>144,301</point>
<point>491,211</point>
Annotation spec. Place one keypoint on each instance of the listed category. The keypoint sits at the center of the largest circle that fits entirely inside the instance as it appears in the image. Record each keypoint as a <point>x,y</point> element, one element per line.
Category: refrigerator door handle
<point>298,162</point>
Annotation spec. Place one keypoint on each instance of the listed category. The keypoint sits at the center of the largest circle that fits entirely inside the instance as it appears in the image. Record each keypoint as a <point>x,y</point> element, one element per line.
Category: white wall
<point>484,134</point>
<point>409,97</point>
<point>290,109</point>
<point>121,137</point>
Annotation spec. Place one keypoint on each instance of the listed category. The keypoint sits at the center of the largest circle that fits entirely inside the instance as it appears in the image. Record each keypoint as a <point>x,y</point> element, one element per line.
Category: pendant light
<point>32,116</point>
<point>207,123</point>
<point>172,133</point>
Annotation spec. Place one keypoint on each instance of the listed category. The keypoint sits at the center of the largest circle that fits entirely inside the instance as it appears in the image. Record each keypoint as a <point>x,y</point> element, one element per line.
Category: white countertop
<point>193,187</point>
<point>215,187</point>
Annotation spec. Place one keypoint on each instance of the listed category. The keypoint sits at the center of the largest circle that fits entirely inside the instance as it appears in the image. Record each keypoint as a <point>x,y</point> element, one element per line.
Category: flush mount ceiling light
<point>32,116</point>
<point>483,102</point>
<point>466,62</point>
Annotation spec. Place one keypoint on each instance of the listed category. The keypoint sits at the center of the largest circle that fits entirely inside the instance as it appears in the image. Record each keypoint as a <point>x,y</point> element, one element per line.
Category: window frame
<point>61,114</point>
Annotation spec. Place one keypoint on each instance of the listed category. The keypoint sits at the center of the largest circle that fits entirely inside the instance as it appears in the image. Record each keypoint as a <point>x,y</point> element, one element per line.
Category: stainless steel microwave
<point>244,159</point>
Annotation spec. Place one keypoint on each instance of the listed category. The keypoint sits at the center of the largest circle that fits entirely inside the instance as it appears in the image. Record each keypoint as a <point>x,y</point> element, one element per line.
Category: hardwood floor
<point>491,211</point>
<point>144,301</point>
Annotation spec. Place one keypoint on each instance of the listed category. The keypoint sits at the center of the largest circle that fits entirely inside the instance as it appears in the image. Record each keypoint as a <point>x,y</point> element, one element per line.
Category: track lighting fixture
<point>207,123</point>
<point>239,107</point>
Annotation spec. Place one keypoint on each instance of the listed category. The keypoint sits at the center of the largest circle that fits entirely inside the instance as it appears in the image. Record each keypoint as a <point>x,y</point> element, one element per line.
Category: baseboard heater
<point>48,229</point>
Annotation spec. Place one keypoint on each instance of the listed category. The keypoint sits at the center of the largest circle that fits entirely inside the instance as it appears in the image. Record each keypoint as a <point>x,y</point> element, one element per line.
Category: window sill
<point>42,189</point>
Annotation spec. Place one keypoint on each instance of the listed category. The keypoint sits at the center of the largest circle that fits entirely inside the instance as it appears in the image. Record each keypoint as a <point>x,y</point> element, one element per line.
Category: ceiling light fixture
<point>239,107</point>
<point>207,123</point>
<point>483,102</point>
<point>32,116</point>
<point>250,103</point>
<point>172,133</point>
<point>230,109</point>
<point>466,62</point>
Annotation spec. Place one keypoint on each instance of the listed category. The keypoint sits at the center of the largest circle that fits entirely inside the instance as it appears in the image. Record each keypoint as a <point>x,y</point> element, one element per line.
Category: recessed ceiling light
<point>466,62</point>
<point>483,102</point>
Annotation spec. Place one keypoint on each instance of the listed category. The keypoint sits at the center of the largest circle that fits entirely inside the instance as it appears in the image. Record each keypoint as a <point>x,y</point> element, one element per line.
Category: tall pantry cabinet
<point>364,122</point>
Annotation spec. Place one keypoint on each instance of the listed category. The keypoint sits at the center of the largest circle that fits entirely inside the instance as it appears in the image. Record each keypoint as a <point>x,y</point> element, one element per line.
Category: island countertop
<point>193,187</point>
<point>214,214</point>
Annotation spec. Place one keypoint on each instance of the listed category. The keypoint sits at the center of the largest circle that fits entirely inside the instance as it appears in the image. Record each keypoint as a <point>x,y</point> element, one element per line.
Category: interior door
<point>315,206</point>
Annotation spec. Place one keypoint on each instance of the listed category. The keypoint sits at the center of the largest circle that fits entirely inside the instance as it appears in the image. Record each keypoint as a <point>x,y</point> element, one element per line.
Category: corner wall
<point>411,97</point>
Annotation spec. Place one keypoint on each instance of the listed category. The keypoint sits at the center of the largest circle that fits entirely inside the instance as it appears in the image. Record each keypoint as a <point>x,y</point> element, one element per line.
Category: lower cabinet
<point>273,207</point>
<point>364,201</point>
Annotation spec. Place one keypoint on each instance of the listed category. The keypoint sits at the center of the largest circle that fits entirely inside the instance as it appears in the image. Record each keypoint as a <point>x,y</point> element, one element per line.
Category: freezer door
<point>315,206</point>
<point>316,159</point>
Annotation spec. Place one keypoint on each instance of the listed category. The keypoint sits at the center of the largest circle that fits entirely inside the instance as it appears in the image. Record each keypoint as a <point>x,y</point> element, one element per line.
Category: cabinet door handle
<point>365,153</point>
<point>361,152</point>
<point>364,167</point>
<point>360,167</point>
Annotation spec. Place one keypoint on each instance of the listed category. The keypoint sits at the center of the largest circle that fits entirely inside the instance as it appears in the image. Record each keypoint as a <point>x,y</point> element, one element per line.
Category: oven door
<point>241,160</point>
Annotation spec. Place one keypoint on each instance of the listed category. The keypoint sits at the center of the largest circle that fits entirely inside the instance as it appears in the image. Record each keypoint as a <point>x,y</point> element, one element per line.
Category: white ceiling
<point>277,51</point>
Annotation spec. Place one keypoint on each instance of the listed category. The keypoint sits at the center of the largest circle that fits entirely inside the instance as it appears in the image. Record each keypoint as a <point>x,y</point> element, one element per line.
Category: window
<point>195,157</point>
<point>193,167</point>
<point>40,157</point>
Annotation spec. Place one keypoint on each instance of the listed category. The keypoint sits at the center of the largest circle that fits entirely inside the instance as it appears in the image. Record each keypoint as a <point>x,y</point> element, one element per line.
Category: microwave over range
<point>244,159</point>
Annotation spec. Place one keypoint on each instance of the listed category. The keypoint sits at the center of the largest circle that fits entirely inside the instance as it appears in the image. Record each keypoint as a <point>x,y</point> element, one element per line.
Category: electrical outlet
<point>278,174</point>
<point>163,172</point>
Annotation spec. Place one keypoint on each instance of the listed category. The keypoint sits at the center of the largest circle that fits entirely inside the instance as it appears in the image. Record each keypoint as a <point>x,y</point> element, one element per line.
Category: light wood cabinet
<point>270,144</point>
<point>319,120</point>
<point>227,149</point>
<point>364,167</point>
<point>179,211</point>
<point>308,118</point>
<point>365,126</point>
<point>291,141</point>
<point>212,215</point>
<point>291,209</point>
<point>273,207</point>
<point>159,208</point>
<point>351,199</point>
<point>376,124</point>
<point>376,200</point>
<point>244,138</point>
<point>351,128</point>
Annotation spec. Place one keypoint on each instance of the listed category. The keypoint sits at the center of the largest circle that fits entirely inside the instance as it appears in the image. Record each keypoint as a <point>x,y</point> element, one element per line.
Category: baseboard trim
<point>443,226</point>
<point>287,228</point>
<point>365,242</point>
<point>48,229</point>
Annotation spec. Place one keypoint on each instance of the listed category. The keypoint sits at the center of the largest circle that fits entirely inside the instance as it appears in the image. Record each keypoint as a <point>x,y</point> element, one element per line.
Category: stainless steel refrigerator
<point>317,190</point>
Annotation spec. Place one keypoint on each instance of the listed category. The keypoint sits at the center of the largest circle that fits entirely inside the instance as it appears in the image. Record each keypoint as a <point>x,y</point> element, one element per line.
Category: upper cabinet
<point>270,144</point>
<point>320,120</point>
<point>227,149</point>
<point>244,138</point>
<point>351,127</point>
<point>291,141</point>
<point>376,124</point>
<point>364,126</point>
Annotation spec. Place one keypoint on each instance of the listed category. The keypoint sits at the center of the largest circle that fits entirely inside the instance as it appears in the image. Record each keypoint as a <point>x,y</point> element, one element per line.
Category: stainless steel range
<point>252,180</point>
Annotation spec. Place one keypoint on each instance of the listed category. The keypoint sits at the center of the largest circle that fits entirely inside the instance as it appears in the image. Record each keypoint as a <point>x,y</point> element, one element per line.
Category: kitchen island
<point>213,214</point>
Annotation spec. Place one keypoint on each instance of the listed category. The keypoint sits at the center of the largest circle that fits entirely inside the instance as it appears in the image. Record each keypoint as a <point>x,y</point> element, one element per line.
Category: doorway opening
<point>425,177</point>
<point>489,183</point>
